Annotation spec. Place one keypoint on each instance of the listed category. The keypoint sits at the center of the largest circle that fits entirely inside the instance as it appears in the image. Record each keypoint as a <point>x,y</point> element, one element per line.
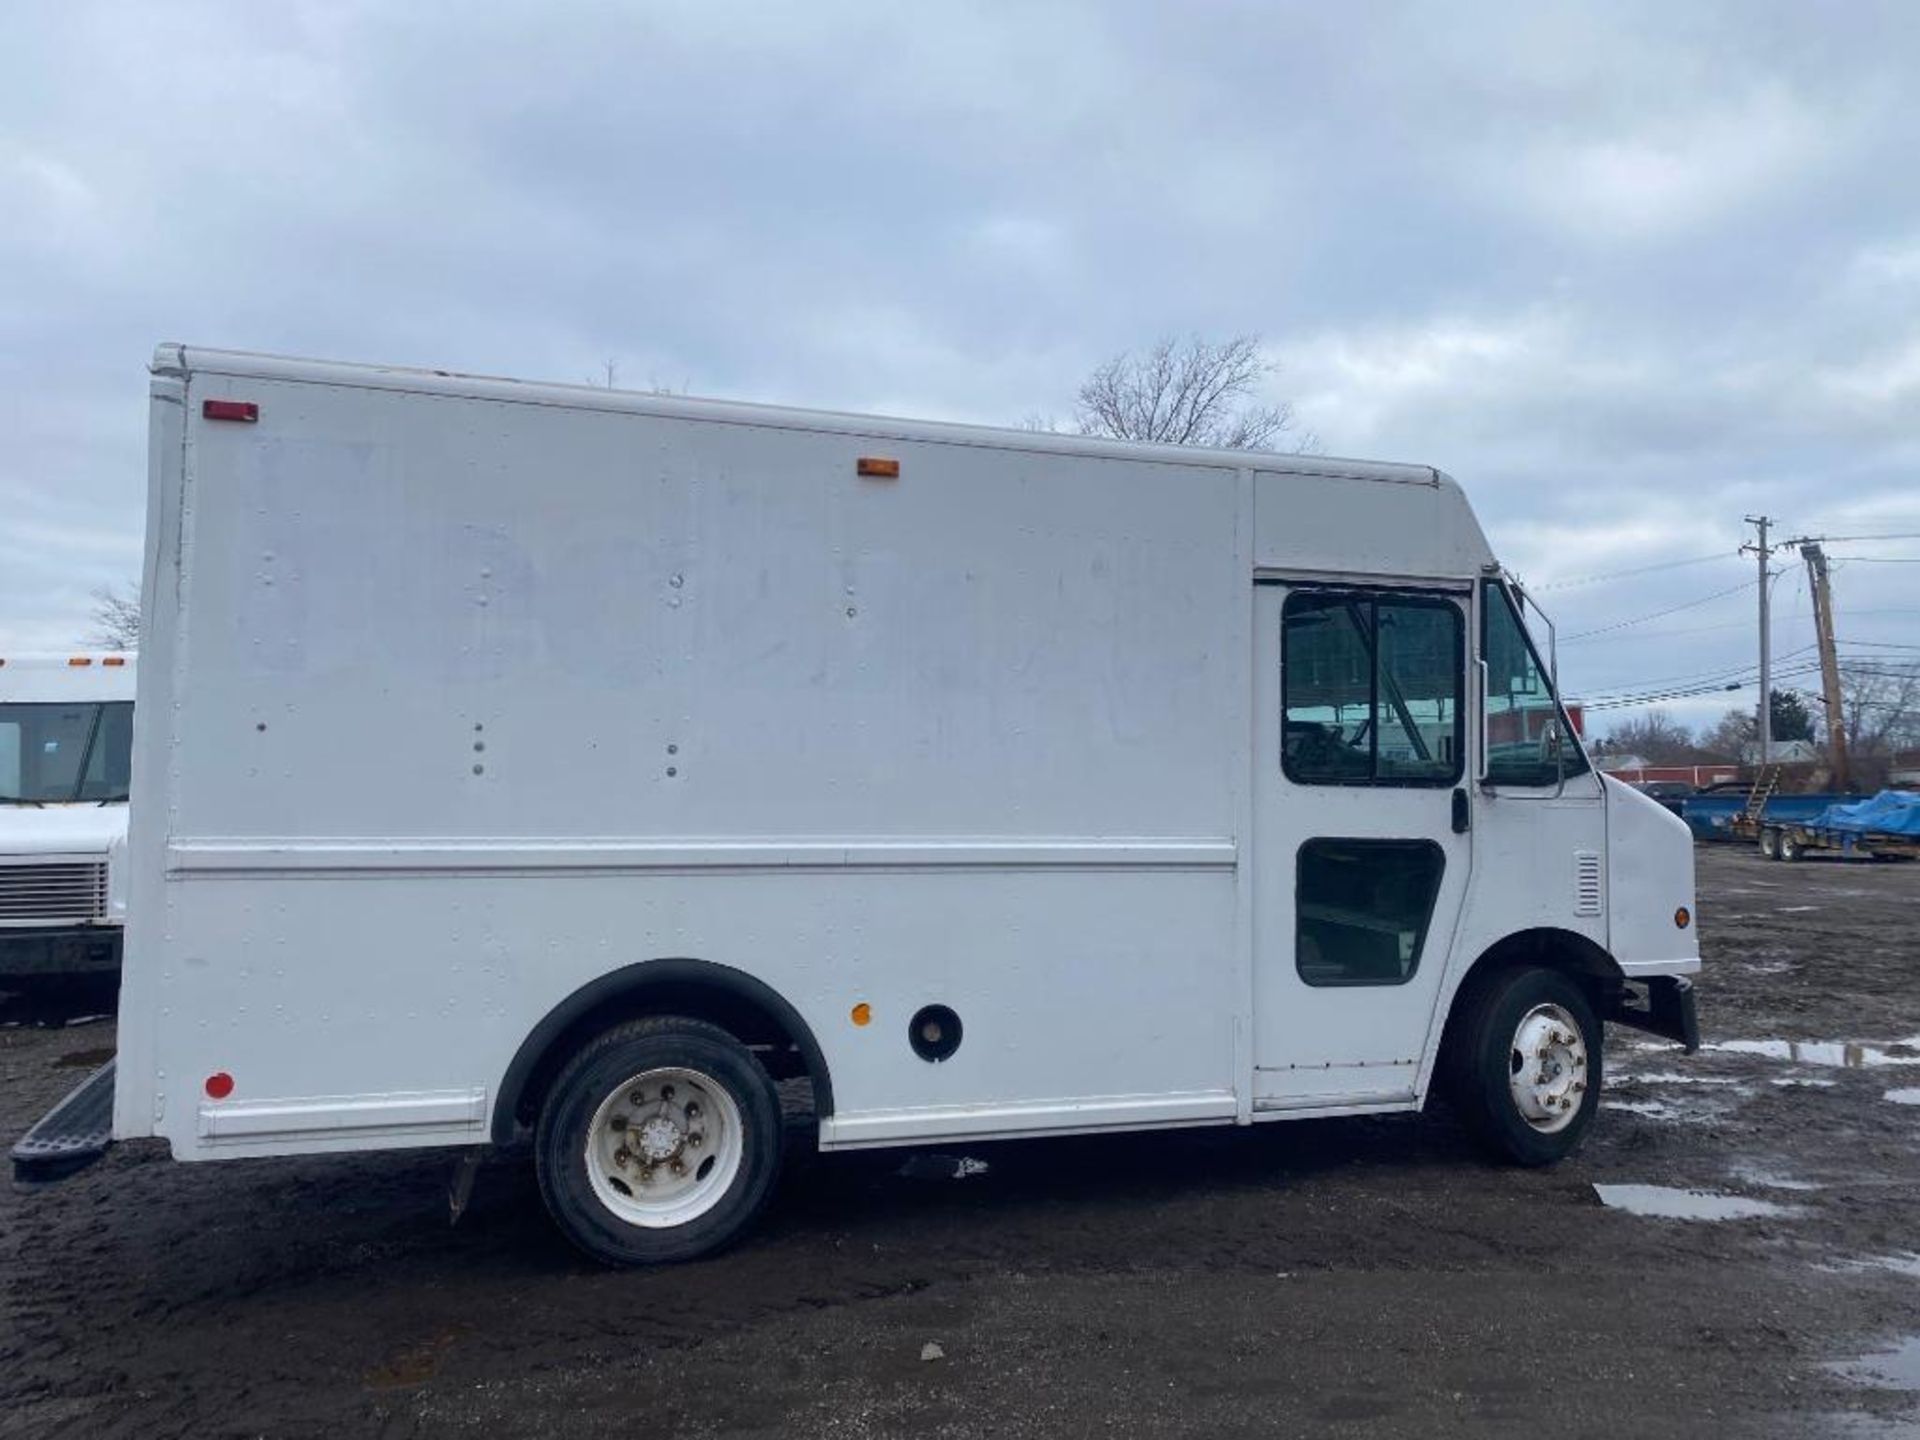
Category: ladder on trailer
<point>1764,784</point>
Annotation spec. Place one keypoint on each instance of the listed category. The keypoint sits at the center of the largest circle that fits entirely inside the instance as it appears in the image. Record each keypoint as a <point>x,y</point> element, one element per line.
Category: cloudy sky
<point>1630,272</point>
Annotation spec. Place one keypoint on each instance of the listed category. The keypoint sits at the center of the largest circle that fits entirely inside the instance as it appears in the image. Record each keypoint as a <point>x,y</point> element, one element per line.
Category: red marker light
<point>219,1085</point>
<point>230,410</point>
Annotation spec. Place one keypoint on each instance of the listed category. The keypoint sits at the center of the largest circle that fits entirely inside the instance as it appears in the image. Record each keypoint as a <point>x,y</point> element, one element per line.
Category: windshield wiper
<point>22,800</point>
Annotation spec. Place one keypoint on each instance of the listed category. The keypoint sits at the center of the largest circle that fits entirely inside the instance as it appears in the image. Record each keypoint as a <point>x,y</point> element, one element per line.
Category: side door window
<point>1370,688</point>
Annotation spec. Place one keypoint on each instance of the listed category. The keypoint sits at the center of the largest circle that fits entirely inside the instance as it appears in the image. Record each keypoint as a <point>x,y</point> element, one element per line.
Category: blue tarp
<point>1891,812</point>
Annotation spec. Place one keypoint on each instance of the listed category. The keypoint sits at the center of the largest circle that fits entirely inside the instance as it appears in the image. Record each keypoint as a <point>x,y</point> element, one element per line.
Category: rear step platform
<point>69,1137</point>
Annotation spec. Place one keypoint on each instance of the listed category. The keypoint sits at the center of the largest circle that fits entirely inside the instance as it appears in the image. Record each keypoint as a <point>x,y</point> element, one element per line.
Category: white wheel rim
<point>664,1147</point>
<point>1547,1073</point>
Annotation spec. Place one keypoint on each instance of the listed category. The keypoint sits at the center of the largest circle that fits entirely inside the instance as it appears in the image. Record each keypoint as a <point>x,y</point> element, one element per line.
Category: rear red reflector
<point>219,1085</point>
<point>230,410</point>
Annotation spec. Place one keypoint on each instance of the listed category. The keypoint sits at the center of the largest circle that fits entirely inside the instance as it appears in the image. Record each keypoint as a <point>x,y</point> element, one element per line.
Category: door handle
<point>1462,815</point>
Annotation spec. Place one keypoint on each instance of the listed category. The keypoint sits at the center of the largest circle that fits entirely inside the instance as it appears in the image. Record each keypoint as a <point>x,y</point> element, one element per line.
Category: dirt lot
<point>1354,1278</point>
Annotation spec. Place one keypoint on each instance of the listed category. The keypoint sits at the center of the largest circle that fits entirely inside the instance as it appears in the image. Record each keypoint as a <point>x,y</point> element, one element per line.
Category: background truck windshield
<point>52,753</point>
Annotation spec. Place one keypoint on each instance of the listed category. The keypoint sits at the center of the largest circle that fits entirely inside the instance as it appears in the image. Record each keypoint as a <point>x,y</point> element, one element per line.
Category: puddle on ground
<point>1674,1077</point>
<point>1771,1180</point>
<point>1903,1097</point>
<point>942,1167</point>
<point>1842,1054</point>
<point>1895,1369</point>
<point>1805,1082</point>
<point>1666,1202</point>
<point>1652,1109</point>
<point>1904,1263</point>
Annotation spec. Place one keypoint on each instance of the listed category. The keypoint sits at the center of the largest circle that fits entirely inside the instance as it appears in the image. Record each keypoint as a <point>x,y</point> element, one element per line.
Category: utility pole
<point>1763,730</point>
<point>1829,661</point>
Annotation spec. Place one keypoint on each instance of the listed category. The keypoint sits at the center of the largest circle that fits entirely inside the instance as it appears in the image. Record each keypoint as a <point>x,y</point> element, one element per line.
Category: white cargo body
<point>480,717</point>
<point>66,733</point>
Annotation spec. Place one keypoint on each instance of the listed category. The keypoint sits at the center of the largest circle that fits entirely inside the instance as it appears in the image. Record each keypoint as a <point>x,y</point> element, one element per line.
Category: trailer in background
<point>1885,827</point>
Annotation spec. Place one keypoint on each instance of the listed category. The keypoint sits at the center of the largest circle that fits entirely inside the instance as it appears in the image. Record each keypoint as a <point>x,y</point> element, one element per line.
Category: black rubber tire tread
<point>1481,1056</point>
<point>609,1060</point>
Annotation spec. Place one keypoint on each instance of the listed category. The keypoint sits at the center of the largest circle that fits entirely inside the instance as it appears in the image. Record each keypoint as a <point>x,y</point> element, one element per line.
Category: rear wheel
<point>1790,848</point>
<point>1527,1066</point>
<point>1770,844</point>
<point>659,1141</point>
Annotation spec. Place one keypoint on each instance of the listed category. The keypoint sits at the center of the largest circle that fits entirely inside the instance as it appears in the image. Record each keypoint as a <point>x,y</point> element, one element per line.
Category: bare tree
<point>1881,702</point>
<point>1187,392</point>
<point>116,619</point>
<point>1655,737</point>
<point>1736,734</point>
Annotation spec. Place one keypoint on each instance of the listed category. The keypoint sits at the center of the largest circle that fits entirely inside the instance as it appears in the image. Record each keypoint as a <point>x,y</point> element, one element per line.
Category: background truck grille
<point>48,894</point>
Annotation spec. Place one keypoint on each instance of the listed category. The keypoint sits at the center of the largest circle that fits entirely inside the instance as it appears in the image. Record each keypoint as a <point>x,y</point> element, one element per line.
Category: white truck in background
<point>66,736</point>
<point>538,763</point>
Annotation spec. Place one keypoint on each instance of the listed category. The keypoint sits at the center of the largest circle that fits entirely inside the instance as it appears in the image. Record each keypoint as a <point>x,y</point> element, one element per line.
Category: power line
<point>1670,610</point>
<point>1636,570</point>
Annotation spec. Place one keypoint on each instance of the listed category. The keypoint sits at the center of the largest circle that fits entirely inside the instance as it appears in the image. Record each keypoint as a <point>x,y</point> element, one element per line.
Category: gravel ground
<point>1317,1279</point>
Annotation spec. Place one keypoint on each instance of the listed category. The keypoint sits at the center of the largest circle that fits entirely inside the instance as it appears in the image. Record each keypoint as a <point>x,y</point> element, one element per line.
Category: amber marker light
<point>1683,917</point>
<point>875,467</point>
<point>862,1014</point>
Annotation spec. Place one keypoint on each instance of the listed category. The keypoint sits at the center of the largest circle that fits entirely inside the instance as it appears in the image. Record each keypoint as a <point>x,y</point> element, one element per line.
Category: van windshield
<point>62,753</point>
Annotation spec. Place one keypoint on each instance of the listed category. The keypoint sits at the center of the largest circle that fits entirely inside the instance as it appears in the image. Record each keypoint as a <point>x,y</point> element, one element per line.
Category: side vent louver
<point>1588,896</point>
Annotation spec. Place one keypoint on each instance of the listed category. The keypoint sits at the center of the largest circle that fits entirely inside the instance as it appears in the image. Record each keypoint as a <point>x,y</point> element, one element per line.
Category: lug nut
<point>638,1097</point>
<point>678,1168</point>
<point>693,1142</point>
<point>666,1092</point>
<point>618,1122</point>
<point>693,1111</point>
<point>622,1157</point>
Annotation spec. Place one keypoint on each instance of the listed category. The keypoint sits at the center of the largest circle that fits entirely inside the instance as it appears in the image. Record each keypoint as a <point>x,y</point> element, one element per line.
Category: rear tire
<point>1770,844</point>
<point>1791,849</point>
<point>660,1141</point>
<point>1527,1063</point>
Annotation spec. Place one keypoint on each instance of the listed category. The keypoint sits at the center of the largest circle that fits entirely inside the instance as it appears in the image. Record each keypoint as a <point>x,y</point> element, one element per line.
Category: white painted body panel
<point>460,694</point>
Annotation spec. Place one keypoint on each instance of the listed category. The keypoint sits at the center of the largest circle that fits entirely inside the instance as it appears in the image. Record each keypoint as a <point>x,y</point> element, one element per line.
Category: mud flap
<point>1661,1005</point>
<point>69,1137</point>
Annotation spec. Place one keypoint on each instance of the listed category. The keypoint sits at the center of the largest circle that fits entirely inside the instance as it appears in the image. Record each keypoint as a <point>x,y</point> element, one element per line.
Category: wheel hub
<point>661,1139</point>
<point>1548,1071</point>
<point>664,1147</point>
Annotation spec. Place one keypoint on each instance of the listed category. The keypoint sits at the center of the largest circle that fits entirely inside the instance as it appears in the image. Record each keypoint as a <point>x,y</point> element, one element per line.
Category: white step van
<point>527,761</point>
<point>66,737</point>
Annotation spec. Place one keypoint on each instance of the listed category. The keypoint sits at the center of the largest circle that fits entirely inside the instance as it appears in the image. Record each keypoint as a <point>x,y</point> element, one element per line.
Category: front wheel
<point>1527,1072</point>
<point>1770,844</point>
<point>660,1141</point>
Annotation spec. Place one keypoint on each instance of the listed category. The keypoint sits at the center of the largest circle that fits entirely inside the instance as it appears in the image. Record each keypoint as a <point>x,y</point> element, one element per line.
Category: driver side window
<point>1371,687</point>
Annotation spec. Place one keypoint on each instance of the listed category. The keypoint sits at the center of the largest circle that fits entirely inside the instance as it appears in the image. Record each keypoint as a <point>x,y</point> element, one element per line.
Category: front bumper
<point>71,951</point>
<point>1659,1004</point>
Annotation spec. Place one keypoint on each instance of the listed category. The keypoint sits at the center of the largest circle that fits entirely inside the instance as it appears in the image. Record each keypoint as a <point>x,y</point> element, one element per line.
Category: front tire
<point>1770,844</point>
<point>660,1141</point>
<point>1527,1072</point>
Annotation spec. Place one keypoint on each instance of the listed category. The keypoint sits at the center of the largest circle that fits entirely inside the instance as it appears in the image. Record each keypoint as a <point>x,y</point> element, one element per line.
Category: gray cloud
<point>1628,273</point>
